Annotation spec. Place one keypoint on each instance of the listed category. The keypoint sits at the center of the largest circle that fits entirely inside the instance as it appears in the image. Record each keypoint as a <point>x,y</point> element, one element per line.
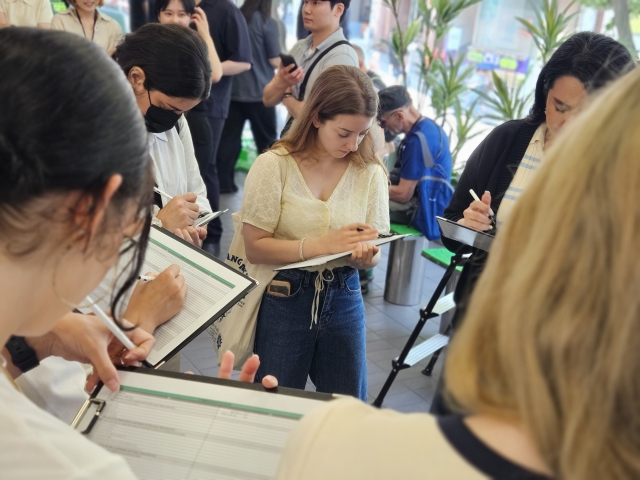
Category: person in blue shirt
<point>420,187</point>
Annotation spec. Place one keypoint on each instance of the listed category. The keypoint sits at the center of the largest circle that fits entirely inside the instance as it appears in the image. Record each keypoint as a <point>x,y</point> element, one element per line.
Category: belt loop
<point>307,275</point>
<point>341,276</point>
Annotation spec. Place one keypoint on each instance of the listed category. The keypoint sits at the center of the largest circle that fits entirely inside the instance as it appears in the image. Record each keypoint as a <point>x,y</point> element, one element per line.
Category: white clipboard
<point>322,259</point>
<point>213,288</point>
<point>173,425</point>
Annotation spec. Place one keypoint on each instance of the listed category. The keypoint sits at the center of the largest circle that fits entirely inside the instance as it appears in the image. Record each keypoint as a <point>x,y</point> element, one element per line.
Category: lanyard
<point>95,20</point>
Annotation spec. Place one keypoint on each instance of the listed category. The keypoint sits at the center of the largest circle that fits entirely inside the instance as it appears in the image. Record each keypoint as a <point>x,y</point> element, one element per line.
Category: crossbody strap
<point>303,85</point>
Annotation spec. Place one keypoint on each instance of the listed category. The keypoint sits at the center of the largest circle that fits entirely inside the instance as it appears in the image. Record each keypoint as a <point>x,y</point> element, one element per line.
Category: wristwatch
<point>22,355</point>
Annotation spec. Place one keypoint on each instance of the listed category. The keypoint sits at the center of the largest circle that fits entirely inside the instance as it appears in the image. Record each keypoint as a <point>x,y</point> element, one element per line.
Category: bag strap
<point>303,86</point>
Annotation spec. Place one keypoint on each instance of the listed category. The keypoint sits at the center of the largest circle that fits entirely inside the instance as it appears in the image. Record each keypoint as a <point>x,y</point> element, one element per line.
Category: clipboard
<point>213,288</point>
<point>465,235</point>
<point>322,259</point>
<point>167,423</point>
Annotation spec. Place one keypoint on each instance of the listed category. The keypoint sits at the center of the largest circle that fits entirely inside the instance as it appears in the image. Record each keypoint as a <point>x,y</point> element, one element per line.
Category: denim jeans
<point>332,352</point>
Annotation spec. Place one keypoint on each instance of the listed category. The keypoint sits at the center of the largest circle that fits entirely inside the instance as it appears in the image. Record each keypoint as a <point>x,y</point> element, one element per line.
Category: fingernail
<point>487,191</point>
<point>256,356</point>
<point>130,356</point>
<point>113,385</point>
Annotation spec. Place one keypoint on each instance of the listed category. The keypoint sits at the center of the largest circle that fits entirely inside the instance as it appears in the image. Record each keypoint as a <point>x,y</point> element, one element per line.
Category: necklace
<point>95,19</point>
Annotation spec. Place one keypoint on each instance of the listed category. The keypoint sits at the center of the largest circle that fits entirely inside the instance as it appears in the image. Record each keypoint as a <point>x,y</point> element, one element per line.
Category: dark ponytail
<point>68,122</point>
<point>174,58</point>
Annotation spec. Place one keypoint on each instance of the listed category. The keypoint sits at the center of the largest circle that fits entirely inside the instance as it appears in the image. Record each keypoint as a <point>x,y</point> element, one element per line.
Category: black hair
<point>174,58</point>
<point>592,58</point>
<point>188,5</point>
<point>68,124</point>
<point>249,7</point>
<point>346,4</point>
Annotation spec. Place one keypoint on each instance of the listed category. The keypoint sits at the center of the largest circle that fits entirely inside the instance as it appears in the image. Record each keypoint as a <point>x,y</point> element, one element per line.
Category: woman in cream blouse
<point>83,18</point>
<point>321,190</point>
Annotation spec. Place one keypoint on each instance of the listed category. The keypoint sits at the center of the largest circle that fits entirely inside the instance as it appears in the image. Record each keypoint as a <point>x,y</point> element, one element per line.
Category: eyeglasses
<point>383,123</point>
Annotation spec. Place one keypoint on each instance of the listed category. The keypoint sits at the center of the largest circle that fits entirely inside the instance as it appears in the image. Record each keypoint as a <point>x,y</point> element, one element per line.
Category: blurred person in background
<point>25,13</point>
<point>246,93</point>
<point>83,18</point>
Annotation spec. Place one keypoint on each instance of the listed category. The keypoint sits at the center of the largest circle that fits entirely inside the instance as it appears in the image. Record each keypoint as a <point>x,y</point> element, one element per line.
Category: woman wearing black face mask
<point>168,68</point>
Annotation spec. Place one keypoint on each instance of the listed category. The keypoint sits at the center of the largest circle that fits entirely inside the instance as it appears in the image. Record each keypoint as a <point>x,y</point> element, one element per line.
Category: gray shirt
<point>265,44</point>
<point>305,56</point>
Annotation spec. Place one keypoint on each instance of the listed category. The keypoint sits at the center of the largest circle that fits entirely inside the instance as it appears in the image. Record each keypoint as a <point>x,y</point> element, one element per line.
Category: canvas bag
<point>236,330</point>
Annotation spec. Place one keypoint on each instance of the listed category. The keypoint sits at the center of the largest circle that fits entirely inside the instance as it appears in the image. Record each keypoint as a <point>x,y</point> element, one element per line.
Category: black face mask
<point>158,119</point>
<point>388,136</point>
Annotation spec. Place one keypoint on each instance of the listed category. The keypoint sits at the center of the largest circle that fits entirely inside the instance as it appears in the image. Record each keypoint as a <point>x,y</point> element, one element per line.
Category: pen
<point>491,214</point>
<point>164,194</point>
<point>113,328</point>
<point>146,278</point>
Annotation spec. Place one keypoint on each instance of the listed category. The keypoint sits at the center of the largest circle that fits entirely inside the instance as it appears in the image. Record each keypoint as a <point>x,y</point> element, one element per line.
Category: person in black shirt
<point>231,37</point>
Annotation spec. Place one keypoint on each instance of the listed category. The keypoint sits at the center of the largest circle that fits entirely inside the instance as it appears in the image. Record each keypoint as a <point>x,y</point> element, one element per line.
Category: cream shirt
<point>34,444</point>
<point>26,13</point>
<point>348,440</point>
<point>287,208</point>
<point>525,173</point>
<point>107,32</point>
<point>175,165</point>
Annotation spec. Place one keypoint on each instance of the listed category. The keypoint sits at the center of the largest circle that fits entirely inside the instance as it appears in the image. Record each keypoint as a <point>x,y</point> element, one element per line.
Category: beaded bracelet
<point>300,250</point>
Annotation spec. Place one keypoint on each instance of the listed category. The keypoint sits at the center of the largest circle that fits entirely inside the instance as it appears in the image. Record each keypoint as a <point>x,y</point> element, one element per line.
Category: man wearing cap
<point>326,43</point>
<point>420,187</point>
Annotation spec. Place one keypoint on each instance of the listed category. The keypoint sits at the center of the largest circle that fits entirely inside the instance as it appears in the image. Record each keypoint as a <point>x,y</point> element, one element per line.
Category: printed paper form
<point>177,429</point>
<point>321,260</point>
<point>211,288</point>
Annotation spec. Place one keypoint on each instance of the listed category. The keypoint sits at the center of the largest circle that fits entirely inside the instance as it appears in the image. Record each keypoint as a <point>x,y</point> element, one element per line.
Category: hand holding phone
<point>288,60</point>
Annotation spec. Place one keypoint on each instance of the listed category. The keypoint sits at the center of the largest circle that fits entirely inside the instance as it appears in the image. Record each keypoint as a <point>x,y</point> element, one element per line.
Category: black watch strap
<point>22,355</point>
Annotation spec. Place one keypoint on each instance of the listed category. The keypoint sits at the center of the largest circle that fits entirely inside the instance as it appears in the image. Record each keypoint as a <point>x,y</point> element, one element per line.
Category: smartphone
<point>288,60</point>
<point>279,288</point>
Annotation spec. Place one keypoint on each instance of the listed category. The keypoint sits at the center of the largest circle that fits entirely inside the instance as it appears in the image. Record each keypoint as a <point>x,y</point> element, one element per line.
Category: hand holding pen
<point>479,215</point>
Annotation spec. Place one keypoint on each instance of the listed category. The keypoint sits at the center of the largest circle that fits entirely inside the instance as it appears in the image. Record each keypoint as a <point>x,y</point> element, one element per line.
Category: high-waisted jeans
<point>331,351</point>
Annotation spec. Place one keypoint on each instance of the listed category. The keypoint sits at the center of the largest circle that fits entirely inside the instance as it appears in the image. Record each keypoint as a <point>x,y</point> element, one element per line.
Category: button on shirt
<point>107,32</point>
<point>174,164</point>
<point>305,56</point>
<point>26,13</point>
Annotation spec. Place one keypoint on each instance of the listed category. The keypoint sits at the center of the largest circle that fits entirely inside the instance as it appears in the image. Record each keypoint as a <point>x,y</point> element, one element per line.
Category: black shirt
<point>230,36</point>
<point>491,167</point>
<point>479,455</point>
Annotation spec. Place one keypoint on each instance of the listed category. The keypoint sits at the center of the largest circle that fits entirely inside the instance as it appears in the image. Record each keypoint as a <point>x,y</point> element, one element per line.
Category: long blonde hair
<point>339,90</point>
<point>551,339</point>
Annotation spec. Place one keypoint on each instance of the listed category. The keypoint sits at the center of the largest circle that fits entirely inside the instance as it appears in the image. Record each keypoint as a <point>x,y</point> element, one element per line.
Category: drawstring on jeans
<point>319,287</point>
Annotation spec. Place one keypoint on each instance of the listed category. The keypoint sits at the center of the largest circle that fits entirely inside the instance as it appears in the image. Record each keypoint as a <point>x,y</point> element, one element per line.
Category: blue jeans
<point>332,352</point>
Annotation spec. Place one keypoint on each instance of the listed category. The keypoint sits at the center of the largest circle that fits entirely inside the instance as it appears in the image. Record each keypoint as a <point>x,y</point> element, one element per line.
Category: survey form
<point>173,426</point>
<point>322,259</point>
<point>213,288</point>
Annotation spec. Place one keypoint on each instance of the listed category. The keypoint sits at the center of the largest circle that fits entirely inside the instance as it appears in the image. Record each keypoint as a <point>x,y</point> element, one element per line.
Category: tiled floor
<point>388,328</point>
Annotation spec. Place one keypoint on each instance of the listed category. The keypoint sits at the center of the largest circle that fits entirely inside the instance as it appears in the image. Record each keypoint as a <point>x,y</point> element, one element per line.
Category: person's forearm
<point>229,67</point>
<point>293,106</point>
<point>399,195</point>
<point>273,92</point>
<point>216,65</point>
<point>273,251</point>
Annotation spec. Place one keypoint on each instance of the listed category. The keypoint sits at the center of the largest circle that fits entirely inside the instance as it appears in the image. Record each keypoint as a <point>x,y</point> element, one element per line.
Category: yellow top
<point>287,208</point>
<point>107,32</point>
<point>26,13</point>
<point>347,439</point>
